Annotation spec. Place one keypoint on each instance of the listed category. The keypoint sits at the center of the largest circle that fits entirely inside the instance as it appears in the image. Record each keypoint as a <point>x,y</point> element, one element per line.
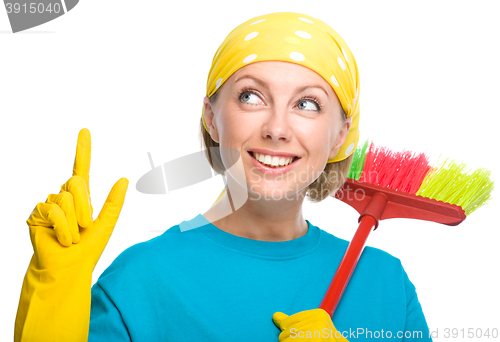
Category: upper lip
<point>273,153</point>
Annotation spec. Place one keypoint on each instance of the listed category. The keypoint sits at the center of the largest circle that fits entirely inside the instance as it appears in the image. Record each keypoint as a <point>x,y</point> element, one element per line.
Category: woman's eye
<point>305,104</point>
<point>313,105</point>
<point>245,97</point>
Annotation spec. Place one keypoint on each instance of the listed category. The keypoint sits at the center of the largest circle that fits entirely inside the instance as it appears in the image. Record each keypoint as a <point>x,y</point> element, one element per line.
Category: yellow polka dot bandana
<point>296,38</point>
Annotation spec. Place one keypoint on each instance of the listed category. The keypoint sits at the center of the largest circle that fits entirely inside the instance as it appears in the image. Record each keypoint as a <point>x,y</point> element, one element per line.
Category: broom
<point>382,184</point>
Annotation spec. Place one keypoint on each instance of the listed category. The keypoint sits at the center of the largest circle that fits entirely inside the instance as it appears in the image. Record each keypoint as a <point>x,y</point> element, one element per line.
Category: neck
<point>260,219</point>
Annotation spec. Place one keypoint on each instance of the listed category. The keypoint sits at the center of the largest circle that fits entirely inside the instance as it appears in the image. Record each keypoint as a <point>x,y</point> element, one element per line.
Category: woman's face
<point>281,112</point>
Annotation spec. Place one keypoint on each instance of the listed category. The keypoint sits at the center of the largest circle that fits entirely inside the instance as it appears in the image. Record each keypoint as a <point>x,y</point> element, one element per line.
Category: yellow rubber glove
<point>67,243</point>
<point>310,325</point>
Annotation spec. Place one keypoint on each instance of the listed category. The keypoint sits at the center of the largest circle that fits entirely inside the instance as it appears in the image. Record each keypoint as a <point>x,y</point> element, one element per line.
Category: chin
<point>274,191</point>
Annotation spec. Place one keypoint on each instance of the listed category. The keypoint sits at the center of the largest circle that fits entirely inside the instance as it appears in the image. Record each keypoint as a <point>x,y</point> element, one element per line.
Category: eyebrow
<point>297,90</point>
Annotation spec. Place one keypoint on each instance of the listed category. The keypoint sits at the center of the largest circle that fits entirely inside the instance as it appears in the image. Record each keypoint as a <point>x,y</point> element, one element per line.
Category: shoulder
<point>383,271</point>
<point>147,258</point>
<point>371,257</point>
<point>166,242</point>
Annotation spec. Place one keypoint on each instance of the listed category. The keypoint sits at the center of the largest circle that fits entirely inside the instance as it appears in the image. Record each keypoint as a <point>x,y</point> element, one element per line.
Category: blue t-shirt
<point>196,282</point>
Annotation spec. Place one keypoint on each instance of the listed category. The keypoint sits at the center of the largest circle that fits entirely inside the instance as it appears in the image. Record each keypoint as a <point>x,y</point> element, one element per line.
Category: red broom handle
<point>368,221</point>
<point>347,265</point>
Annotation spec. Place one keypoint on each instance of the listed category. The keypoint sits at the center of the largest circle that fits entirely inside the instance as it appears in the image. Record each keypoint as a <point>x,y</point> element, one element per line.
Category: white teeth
<point>272,160</point>
<point>267,159</point>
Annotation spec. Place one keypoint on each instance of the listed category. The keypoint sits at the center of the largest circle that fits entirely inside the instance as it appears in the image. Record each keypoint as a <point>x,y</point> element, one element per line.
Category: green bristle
<point>358,161</point>
<point>452,183</point>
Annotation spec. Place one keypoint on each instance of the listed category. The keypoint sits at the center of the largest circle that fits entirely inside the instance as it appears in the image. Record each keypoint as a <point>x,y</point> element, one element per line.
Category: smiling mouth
<point>272,161</point>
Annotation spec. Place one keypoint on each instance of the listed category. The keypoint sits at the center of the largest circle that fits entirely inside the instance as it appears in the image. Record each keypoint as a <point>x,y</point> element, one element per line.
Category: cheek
<point>239,121</point>
<point>235,129</point>
<point>316,135</point>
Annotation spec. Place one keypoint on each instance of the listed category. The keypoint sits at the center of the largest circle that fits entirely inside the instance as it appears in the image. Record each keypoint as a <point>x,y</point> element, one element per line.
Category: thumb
<point>111,209</point>
<point>278,317</point>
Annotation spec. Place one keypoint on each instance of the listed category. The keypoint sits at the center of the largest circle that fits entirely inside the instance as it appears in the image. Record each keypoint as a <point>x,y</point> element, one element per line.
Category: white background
<point>134,74</point>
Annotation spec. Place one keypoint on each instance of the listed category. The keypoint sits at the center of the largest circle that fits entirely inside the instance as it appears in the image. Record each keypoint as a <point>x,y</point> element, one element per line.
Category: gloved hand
<point>310,325</point>
<point>67,243</point>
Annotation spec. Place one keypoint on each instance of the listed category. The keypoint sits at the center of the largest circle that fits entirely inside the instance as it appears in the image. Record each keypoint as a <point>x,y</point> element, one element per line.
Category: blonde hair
<point>327,184</point>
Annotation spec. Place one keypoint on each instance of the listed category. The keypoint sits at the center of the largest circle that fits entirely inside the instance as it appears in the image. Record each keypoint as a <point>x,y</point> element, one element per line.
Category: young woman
<point>283,93</point>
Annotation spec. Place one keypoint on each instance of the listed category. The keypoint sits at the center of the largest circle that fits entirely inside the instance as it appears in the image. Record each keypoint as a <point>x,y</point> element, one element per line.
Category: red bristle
<point>369,160</point>
<point>402,171</point>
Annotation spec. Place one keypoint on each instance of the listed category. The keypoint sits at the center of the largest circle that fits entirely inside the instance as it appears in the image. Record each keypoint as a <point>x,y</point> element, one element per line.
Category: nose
<point>277,126</point>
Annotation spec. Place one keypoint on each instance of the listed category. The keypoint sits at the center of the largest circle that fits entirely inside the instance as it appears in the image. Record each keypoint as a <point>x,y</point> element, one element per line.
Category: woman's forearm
<point>54,306</point>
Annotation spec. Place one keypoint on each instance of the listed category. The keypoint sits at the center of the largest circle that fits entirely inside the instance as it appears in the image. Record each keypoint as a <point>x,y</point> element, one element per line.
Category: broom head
<point>414,189</point>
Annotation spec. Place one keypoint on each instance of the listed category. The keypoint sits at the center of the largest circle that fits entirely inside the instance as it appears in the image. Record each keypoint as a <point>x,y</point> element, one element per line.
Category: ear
<point>344,130</point>
<point>209,119</point>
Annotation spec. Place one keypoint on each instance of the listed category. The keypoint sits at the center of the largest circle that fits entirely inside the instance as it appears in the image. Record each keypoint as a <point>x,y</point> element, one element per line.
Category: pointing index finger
<point>81,167</point>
